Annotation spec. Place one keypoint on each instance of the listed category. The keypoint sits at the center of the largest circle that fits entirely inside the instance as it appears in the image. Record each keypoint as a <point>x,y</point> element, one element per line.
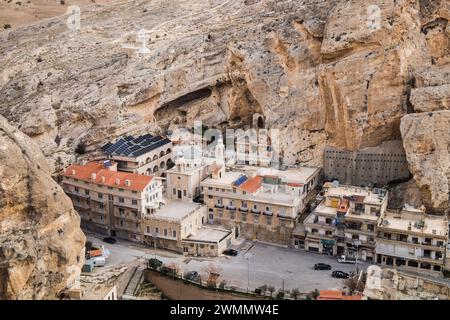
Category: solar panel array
<point>240,180</point>
<point>129,146</point>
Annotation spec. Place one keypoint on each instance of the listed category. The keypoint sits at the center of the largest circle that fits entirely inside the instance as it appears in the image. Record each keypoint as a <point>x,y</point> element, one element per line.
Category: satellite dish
<point>335,183</point>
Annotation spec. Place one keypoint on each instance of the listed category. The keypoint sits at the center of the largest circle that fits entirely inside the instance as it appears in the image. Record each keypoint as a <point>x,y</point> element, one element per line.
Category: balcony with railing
<point>219,205</point>
<point>243,209</point>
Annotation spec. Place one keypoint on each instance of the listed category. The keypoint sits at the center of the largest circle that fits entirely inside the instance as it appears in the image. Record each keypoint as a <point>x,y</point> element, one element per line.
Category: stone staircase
<point>136,279</point>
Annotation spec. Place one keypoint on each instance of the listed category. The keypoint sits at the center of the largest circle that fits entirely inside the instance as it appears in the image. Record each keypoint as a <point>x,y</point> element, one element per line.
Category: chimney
<point>117,181</point>
<point>73,172</point>
<point>93,176</point>
<point>103,179</point>
<point>128,182</point>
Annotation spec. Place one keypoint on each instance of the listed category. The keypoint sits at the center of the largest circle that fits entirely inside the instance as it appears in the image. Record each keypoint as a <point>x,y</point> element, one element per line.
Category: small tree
<point>81,148</point>
<point>313,295</point>
<point>354,285</point>
<point>213,273</point>
<point>6,26</point>
<point>263,289</point>
<point>271,289</point>
<point>154,263</point>
<point>295,293</point>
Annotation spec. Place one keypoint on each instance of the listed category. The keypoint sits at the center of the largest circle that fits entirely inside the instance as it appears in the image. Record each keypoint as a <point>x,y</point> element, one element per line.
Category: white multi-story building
<point>412,240</point>
<point>345,222</point>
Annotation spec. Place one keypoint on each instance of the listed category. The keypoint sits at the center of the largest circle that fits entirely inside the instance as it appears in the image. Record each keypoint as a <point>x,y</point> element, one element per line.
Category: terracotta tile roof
<point>252,184</point>
<point>336,295</point>
<point>107,177</point>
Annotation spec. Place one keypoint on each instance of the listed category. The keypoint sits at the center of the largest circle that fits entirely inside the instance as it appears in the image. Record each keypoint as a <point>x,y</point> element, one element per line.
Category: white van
<point>99,261</point>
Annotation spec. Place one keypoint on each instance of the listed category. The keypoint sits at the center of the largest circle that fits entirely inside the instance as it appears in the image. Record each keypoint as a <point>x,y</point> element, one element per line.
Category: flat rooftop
<point>209,234</point>
<point>322,208</point>
<point>370,196</point>
<point>301,174</point>
<point>432,225</point>
<point>175,209</point>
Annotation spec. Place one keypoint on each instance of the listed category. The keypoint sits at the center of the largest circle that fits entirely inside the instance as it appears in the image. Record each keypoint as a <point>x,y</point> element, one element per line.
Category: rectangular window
<point>86,192</point>
<point>174,191</point>
<point>77,189</point>
<point>100,195</point>
<point>121,200</point>
<point>268,221</point>
<point>156,230</point>
<point>165,232</point>
<point>174,234</point>
<point>134,202</point>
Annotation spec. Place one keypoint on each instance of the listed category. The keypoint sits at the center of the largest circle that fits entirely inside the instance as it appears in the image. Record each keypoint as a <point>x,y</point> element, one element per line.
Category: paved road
<point>267,264</point>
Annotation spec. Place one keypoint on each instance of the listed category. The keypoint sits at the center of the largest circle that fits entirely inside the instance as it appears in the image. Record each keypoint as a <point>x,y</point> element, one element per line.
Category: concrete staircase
<point>135,281</point>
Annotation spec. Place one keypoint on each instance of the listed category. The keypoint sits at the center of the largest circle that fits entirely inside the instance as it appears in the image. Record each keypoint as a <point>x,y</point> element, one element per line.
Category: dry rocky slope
<point>41,243</point>
<point>324,72</point>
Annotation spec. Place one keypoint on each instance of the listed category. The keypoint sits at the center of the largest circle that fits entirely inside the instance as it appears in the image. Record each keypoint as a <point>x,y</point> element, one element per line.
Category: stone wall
<point>377,165</point>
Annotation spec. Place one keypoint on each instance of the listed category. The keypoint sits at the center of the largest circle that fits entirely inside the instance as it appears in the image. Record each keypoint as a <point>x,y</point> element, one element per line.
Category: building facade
<point>146,154</point>
<point>111,202</point>
<point>345,222</point>
<point>413,240</point>
<point>259,203</point>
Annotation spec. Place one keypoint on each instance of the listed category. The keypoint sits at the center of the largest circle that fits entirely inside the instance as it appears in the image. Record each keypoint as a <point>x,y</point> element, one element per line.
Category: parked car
<point>345,259</point>
<point>99,261</point>
<point>340,274</point>
<point>322,266</point>
<point>230,252</point>
<point>192,275</point>
<point>110,240</point>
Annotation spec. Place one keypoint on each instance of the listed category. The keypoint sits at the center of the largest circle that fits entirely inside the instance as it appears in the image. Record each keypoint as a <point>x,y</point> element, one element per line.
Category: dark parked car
<point>230,252</point>
<point>322,266</point>
<point>340,274</point>
<point>110,240</point>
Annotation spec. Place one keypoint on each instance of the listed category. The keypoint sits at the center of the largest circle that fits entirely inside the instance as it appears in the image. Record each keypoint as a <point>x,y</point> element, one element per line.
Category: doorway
<point>179,194</point>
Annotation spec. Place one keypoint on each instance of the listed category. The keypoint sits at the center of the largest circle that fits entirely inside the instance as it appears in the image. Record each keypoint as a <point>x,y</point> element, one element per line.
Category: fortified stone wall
<point>376,165</point>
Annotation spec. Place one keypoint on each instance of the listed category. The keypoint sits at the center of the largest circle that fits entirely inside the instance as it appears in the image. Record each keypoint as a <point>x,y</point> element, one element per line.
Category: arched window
<point>162,165</point>
<point>168,151</point>
<point>161,154</point>
<point>147,160</point>
<point>155,157</point>
<point>155,169</point>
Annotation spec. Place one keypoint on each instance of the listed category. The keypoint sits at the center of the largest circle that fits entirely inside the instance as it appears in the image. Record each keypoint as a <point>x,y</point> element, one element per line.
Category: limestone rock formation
<point>337,72</point>
<point>41,243</point>
<point>427,143</point>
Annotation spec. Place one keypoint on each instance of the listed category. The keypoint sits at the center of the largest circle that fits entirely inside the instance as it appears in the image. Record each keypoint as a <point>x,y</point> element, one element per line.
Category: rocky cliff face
<point>336,72</point>
<point>41,244</point>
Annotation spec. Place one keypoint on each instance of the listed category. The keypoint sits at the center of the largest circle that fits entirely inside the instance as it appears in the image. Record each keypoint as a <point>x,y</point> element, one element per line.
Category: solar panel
<point>240,180</point>
<point>134,147</point>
